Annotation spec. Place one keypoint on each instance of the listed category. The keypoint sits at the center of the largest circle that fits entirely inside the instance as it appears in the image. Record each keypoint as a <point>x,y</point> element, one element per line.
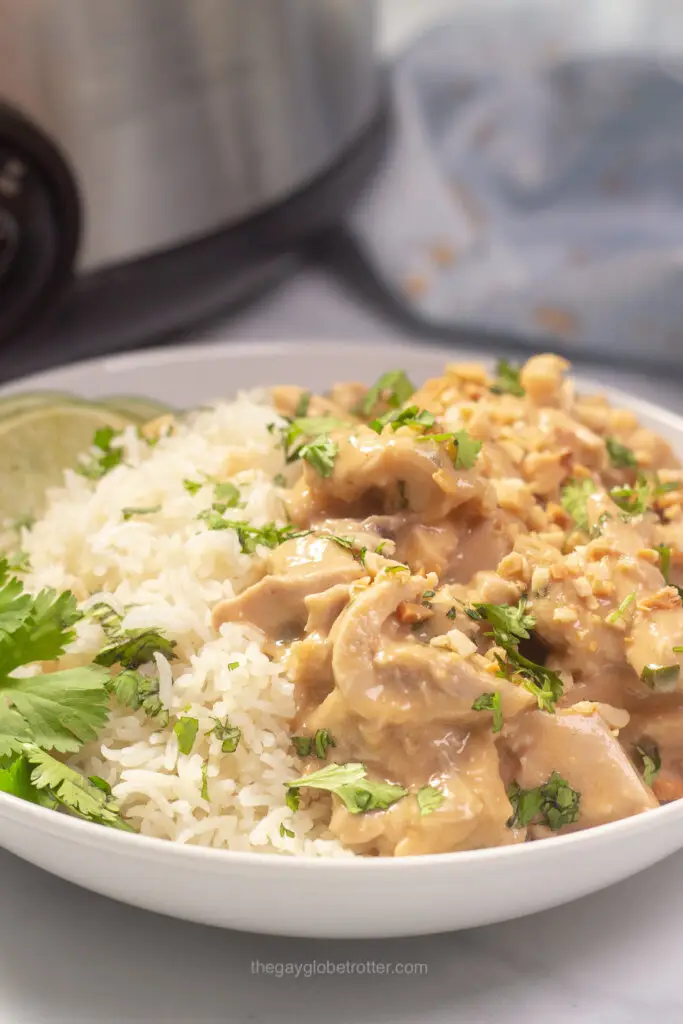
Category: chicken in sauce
<point>478,604</point>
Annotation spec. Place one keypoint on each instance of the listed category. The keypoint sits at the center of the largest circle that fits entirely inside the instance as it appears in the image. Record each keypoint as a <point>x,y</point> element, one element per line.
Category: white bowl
<point>354,898</point>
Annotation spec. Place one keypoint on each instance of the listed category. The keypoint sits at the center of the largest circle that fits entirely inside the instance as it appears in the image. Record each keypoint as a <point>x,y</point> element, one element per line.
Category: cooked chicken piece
<point>392,678</point>
<point>386,473</point>
<point>296,570</point>
<point>473,813</point>
<point>581,747</point>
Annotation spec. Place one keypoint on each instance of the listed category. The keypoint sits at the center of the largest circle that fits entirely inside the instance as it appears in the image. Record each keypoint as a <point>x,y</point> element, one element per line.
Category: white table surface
<point>68,956</point>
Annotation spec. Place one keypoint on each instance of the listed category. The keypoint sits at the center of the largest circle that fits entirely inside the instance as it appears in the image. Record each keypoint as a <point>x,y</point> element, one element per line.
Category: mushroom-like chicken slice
<point>383,673</point>
<point>472,809</point>
<point>388,472</point>
<point>581,746</point>
<point>296,570</point>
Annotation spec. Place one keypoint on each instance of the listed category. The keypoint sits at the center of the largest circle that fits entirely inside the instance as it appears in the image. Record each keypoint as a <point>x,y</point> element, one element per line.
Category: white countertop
<point>71,957</point>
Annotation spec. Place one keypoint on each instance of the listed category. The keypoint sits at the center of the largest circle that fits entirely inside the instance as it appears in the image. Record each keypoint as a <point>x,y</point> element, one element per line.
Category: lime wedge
<point>142,409</point>
<point>38,444</point>
<point>12,404</point>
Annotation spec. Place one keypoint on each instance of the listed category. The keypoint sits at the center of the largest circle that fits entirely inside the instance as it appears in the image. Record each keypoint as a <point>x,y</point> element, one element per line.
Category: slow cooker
<point>159,158</point>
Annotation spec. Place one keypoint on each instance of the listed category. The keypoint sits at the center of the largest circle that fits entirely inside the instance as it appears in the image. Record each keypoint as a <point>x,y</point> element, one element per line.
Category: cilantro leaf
<point>350,783</point>
<point>507,380</point>
<point>193,486</point>
<point>60,710</point>
<point>141,693</point>
<point>410,417</point>
<point>186,733</point>
<point>303,745</point>
<point>429,799</point>
<point>491,702</point>
<point>303,404</point>
<point>228,735</point>
<point>74,792</point>
<point>270,535</point>
<point>554,804</point>
<point>320,454</point>
<point>510,622</point>
<point>104,457</point>
<point>131,510</point>
<point>318,744</point>
<point>306,428</point>
<point>34,628</point>
<point>15,779</point>
<point>664,561</point>
<point>651,761</point>
<point>546,686</point>
<point>393,387</point>
<point>227,494</point>
<point>620,456</point>
<point>205,781</point>
<point>285,832</point>
<point>466,448</point>
<point>634,501</point>
<point>134,647</point>
<point>573,499</point>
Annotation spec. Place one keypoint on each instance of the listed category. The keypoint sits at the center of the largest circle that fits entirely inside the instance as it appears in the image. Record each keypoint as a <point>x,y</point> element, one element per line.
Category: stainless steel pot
<point>137,126</point>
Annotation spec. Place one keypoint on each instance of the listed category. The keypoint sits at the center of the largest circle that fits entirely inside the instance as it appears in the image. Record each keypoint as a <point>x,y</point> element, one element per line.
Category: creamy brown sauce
<point>384,656</point>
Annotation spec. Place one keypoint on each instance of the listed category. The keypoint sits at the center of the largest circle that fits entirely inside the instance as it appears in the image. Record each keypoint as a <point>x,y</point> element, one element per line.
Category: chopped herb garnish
<point>228,735</point>
<point>510,622</point>
<point>318,745</point>
<point>141,693</point>
<point>429,799</point>
<point>100,783</point>
<point>323,741</point>
<point>491,702</point>
<point>466,448</point>
<point>451,613</point>
<point>270,535</point>
<point>320,454</point>
<point>393,387</point>
<point>298,432</point>
<point>596,531</point>
<point>651,760</point>
<point>292,799</point>
<point>507,380</point>
<point>285,832</point>
<point>130,511</point>
<point>554,804</point>
<point>618,613</point>
<point>186,732</point>
<point>426,598</point>
<point>397,568</point>
<point>232,665</point>
<point>303,745</point>
<point>661,677</point>
<point>205,780</point>
<point>192,486</point>
<point>677,650</point>
<point>620,456</point>
<point>664,561</point>
<point>303,404</point>
<point>411,417</point>
<point>279,480</point>
<point>546,686</point>
<point>132,647</point>
<point>104,458</point>
<point>380,547</point>
<point>633,501</point>
<point>350,783</point>
<point>574,496</point>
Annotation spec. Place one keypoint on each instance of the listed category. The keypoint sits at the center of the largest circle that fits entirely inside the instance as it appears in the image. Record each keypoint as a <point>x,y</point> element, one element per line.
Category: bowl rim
<point>44,820</point>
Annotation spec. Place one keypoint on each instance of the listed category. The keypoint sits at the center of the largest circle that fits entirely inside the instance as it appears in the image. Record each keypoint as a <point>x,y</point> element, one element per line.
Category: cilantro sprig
<point>466,448</point>
<point>651,761</point>
<point>104,455</point>
<point>350,783</point>
<point>413,416</point>
<point>491,702</point>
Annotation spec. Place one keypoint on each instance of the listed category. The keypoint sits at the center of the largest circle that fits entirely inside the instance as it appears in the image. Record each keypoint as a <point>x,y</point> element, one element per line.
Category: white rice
<point>167,570</point>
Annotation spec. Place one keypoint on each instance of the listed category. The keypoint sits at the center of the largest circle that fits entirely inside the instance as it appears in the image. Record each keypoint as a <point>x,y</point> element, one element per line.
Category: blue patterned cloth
<point>535,182</point>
